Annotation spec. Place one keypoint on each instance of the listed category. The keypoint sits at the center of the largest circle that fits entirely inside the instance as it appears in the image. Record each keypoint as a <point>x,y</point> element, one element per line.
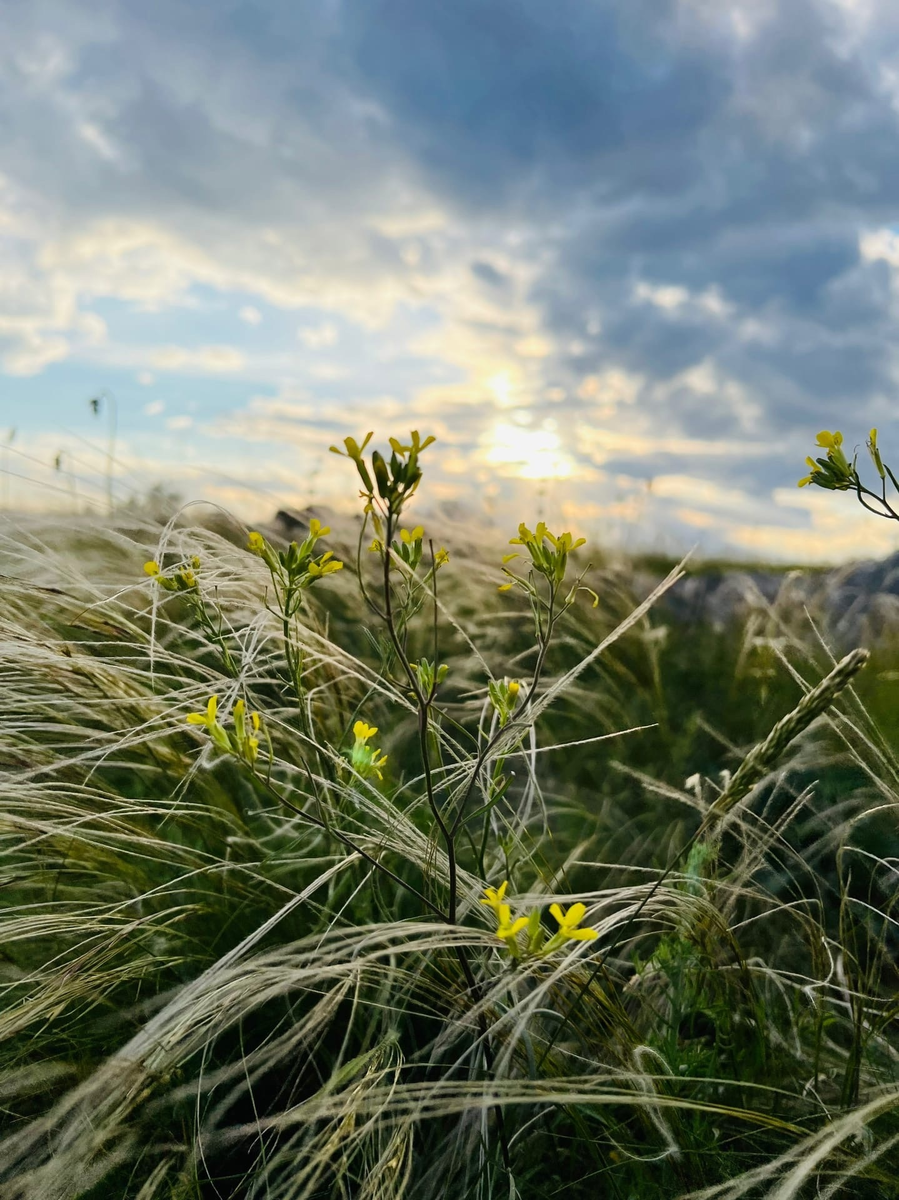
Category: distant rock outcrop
<point>858,602</point>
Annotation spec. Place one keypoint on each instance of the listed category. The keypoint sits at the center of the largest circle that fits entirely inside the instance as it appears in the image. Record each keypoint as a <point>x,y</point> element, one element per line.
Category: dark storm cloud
<point>515,101</point>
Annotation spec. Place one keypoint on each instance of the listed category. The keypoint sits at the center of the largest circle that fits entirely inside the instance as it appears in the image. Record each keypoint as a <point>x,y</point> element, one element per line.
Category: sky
<point>624,258</point>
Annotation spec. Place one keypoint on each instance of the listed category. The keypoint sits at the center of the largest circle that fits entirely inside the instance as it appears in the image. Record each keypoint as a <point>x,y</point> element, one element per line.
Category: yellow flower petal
<point>507,931</point>
<point>493,897</point>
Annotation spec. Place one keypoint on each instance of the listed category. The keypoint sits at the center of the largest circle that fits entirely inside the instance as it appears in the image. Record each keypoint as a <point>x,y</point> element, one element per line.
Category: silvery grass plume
<point>768,753</point>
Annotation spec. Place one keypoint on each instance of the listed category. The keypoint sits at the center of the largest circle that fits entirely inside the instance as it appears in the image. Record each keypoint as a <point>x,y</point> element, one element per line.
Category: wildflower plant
<point>241,740</point>
<point>834,472</point>
<point>183,581</point>
<point>366,760</point>
<point>294,571</point>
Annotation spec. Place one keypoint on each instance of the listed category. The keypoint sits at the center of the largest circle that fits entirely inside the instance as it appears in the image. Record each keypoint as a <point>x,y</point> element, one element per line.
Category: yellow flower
<point>568,924</point>
<point>494,896</point>
<point>255,542</point>
<point>236,741</point>
<point>506,928</point>
<point>316,570</point>
<point>524,536</point>
<point>366,759</point>
<point>566,542</point>
<point>415,536</point>
<point>244,744</point>
<point>875,454</point>
<point>377,762</point>
<point>813,468</point>
<point>830,441</point>
<point>514,687</point>
<point>317,530</point>
<point>208,717</point>
<point>504,587</point>
<point>441,558</point>
<point>152,569</point>
<point>353,449</point>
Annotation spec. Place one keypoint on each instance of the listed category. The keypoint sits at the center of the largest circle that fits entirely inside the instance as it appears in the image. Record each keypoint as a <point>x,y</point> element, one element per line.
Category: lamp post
<point>112,409</point>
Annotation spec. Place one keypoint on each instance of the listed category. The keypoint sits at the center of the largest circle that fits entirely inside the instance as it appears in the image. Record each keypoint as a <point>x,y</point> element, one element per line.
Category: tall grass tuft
<point>421,904</point>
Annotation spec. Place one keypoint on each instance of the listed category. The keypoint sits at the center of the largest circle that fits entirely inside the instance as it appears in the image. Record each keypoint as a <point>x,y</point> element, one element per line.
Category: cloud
<point>250,315</point>
<point>206,360</point>
<point>319,336</point>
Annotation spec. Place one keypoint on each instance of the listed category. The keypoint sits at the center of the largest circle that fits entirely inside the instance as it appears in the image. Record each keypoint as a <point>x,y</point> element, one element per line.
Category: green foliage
<point>610,909</point>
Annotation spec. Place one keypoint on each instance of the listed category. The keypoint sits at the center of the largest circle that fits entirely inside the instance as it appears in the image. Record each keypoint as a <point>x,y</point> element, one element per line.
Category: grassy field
<point>258,963</point>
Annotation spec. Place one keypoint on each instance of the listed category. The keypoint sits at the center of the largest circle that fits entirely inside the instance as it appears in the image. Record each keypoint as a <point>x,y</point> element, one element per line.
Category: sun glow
<point>529,453</point>
<point>501,386</point>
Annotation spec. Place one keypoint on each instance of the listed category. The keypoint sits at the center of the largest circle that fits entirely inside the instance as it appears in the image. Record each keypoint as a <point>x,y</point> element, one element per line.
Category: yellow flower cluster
<point>182,579</point>
<point>241,741</point>
<point>833,472</point>
<point>366,759</point>
<point>548,553</point>
<point>297,568</point>
<point>394,480</point>
<point>568,926</point>
<point>409,549</point>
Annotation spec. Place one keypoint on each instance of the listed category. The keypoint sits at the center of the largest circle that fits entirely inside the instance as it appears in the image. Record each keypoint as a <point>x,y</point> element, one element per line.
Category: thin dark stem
<point>889,515</point>
<point>484,753</point>
<point>424,704</point>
